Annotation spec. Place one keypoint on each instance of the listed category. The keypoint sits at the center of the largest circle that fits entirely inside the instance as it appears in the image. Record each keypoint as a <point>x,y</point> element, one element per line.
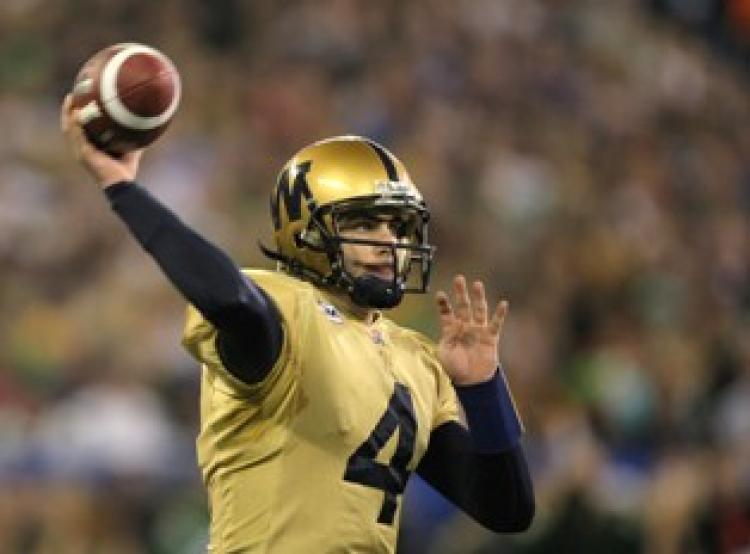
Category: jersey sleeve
<point>447,405</point>
<point>199,339</point>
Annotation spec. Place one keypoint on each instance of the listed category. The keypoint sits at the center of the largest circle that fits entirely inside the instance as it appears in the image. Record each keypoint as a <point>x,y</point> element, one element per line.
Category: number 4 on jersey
<point>363,467</point>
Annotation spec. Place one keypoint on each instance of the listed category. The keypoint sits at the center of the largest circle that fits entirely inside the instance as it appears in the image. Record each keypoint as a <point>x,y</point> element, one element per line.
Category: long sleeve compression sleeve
<point>249,325</point>
<point>493,488</point>
<point>483,469</point>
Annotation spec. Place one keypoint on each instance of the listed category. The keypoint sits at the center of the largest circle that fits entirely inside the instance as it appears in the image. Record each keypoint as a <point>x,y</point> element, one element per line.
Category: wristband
<point>493,420</point>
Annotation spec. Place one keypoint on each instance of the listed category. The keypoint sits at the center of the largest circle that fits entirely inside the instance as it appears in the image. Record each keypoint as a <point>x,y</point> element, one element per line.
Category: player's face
<point>360,259</point>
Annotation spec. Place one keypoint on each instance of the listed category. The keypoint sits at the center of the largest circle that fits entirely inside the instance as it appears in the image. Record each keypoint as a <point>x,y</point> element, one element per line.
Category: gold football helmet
<point>330,180</point>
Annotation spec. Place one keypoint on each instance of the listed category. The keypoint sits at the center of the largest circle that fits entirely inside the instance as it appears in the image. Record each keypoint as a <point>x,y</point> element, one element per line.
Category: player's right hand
<point>106,170</point>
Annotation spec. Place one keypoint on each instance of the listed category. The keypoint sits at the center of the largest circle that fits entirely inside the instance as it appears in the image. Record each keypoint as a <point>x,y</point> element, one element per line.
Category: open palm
<point>469,337</point>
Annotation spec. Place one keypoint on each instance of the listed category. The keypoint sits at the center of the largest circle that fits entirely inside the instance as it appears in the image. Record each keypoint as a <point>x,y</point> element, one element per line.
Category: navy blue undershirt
<point>483,471</point>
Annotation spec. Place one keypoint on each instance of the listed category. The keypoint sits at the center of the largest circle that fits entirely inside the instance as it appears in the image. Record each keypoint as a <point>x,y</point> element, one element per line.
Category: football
<point>127,95</point>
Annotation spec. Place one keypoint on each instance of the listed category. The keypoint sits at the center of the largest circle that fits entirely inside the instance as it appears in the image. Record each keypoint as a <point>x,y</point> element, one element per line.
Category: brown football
<point>127,94</point>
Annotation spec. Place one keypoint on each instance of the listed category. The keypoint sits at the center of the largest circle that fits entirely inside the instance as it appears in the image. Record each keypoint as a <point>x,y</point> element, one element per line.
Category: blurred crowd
<point>587,159</point>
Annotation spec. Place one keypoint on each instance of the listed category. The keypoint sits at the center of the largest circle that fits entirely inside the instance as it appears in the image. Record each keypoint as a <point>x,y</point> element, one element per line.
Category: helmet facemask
<point>410,255</point>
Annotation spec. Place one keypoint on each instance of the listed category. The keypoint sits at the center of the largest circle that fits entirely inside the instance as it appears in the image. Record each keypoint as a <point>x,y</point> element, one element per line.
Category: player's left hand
<point>470,338</point>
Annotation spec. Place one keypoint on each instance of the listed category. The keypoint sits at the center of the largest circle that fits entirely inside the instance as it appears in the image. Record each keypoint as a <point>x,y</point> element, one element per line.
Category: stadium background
<point>589,159</point>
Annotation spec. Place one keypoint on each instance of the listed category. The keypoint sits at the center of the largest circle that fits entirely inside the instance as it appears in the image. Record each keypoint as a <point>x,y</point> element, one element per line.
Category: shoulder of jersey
<point>409,335</point>
<point>278,282</point>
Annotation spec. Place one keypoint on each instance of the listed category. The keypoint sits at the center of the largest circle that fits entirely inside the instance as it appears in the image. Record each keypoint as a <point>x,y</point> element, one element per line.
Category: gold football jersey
<point>315,457</point>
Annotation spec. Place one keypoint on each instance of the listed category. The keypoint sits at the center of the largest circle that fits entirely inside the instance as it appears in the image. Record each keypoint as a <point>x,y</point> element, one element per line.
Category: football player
<point>315,407</point>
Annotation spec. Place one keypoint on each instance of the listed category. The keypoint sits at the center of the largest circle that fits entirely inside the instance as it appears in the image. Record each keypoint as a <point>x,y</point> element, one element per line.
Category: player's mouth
<point>382,271</point>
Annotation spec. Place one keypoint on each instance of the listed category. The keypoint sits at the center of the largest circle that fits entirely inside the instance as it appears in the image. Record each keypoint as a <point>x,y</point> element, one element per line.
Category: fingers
<point>106,168</point>
<point>445,311</point>
<point>70,125</point>
<point>498,318</point>
<point>469,306</point>
<point>461,298</point>
<point>478,303</point>
<point>443,304</point>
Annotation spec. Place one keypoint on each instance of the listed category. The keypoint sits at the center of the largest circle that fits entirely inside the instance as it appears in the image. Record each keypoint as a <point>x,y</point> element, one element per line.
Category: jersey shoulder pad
<point>415,338</point>
<point>276,281</point>
<point>285,290</point>
<point>199,334</point>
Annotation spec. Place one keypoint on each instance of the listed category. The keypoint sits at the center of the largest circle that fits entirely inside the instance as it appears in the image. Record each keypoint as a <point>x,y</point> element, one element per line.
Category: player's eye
<point>358,223</point>
<point>397,227</point>
<point>400,225</point>
<point>403,227</point>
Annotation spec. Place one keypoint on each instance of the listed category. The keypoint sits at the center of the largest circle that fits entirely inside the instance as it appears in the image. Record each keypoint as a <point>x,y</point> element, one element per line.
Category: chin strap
<point>369,291</point>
